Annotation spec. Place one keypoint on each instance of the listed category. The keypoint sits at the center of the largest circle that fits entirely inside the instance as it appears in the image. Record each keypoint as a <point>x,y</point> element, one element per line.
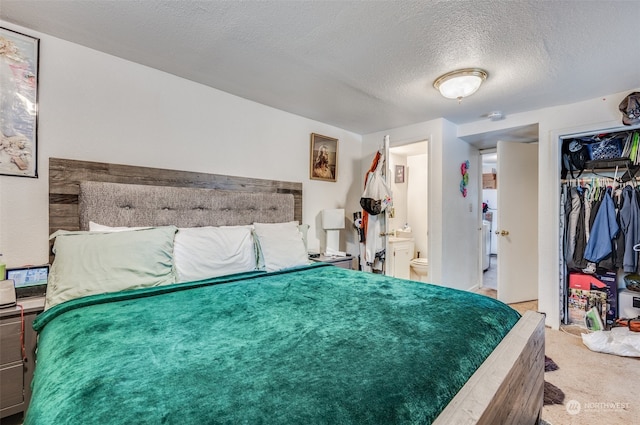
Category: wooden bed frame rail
<point>508,387</point>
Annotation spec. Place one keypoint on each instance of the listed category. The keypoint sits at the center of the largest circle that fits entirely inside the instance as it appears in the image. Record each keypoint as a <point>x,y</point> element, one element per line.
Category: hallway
<point>490,276</point>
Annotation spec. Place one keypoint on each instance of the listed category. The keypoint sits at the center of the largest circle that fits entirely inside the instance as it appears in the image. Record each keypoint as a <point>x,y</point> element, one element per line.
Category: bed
<point>294,344</point>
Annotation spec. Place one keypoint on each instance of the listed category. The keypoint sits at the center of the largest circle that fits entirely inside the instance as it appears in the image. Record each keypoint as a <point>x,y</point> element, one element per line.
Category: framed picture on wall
<point>323,164</point>
<point>18,104</point>
<point>399,174</point>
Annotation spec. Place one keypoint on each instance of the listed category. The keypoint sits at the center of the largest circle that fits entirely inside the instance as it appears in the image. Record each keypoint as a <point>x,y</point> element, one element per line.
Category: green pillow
<point>89,263</point>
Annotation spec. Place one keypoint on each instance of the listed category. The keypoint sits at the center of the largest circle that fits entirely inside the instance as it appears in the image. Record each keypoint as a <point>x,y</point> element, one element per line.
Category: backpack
<point>377,195</point>
<point>575,155</point>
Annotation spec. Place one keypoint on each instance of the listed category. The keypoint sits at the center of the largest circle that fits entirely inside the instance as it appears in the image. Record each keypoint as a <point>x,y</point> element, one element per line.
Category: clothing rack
<point>606,181</point>
<point>595,166</point>
<point>601,179</point>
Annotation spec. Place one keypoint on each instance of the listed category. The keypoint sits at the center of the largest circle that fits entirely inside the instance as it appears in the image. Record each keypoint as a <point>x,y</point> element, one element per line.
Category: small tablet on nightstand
<point>30,281</point>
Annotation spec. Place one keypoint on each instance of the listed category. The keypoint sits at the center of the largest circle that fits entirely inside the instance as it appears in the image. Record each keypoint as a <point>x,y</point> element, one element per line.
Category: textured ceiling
<point>364,66</point>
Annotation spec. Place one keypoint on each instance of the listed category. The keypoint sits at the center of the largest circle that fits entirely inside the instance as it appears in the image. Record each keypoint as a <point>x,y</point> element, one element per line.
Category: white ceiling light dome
<point>460,83</point>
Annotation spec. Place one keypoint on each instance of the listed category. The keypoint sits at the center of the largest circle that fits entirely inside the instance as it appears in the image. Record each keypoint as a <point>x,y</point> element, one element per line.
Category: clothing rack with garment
<point>374,201</point>
<point>600,181</point>
<point>613,179</point>
<point>600,227</point>
<point>595,221</point>
<point>594,181</point>
<point>583,212</point>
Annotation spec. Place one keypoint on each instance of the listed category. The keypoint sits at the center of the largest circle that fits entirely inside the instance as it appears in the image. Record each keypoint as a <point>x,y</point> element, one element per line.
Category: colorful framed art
<point>18,104</point>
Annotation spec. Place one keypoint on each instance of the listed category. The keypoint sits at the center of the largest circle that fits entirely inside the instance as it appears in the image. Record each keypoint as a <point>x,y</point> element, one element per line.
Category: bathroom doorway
<point>409,168</point>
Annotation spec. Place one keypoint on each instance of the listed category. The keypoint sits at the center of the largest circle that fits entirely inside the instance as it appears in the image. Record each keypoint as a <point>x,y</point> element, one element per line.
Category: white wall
<point>417,195</point>
<point>460,216</point>
<point>96,107</point>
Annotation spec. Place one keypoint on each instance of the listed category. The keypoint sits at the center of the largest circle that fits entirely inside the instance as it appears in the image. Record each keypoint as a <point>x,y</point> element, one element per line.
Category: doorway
<point>518,232</point>
<point>489,250</point>
<point>409,165</point>
<point>509,197</point>
<point>488,142</point>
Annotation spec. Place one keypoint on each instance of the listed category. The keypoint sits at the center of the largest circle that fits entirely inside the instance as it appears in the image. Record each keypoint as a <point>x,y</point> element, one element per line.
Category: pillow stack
<point>109,259</point>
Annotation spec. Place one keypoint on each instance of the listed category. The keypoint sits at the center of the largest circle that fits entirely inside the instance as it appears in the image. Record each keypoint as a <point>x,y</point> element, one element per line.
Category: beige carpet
<point>599,389</point>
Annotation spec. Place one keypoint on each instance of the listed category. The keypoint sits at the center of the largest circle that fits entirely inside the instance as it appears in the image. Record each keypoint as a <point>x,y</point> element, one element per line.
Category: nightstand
<point>344,262</point>
<point>16,374</point>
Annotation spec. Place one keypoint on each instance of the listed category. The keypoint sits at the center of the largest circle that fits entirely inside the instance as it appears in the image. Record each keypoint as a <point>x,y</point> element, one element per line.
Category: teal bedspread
<point>315,345</point>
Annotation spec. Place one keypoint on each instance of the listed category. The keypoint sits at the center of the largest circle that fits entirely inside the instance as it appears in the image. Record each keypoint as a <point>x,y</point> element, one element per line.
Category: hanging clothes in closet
<point>600,225</point>
<point>630,220</point>
<point>599,218</point>
<point>602,231</point>
<point>576,229</point>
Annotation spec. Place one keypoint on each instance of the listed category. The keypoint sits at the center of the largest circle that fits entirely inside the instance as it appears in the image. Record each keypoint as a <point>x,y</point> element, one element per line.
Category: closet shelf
<point>623,164</point>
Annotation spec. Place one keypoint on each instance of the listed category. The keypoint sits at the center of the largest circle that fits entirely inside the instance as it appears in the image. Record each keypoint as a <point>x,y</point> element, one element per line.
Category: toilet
<point>419,269</point>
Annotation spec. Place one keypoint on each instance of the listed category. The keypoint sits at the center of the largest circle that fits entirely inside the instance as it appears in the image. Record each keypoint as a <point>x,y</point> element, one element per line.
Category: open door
<point>387,178</point>
<point>518,225</point>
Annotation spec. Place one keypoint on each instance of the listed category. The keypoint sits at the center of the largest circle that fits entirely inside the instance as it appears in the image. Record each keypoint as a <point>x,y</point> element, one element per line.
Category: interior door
<point>517,228</point>
<point>385,226</point>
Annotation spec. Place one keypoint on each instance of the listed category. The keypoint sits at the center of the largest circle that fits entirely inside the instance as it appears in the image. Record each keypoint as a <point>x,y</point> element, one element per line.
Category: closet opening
<point>600,189</point>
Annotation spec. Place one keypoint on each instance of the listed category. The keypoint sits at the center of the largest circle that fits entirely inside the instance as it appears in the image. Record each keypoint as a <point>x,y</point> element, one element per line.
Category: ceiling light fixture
<point>460,83</point>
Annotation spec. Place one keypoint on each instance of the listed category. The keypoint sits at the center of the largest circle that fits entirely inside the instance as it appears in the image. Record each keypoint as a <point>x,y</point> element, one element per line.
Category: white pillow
<point>89,263</point>
<point>205,252</point>
<point>281,245</point>
<point>302,228</point>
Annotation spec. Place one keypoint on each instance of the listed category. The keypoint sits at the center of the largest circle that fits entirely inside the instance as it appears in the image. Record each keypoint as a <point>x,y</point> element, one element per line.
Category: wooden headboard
<point>65,176</point>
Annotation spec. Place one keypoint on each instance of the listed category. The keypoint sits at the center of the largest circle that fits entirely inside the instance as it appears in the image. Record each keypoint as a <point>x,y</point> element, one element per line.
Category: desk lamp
<point>332,222</point>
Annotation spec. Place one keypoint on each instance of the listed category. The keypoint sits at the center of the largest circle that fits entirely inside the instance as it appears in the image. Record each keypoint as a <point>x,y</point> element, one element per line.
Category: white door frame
<point>549,226</point>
